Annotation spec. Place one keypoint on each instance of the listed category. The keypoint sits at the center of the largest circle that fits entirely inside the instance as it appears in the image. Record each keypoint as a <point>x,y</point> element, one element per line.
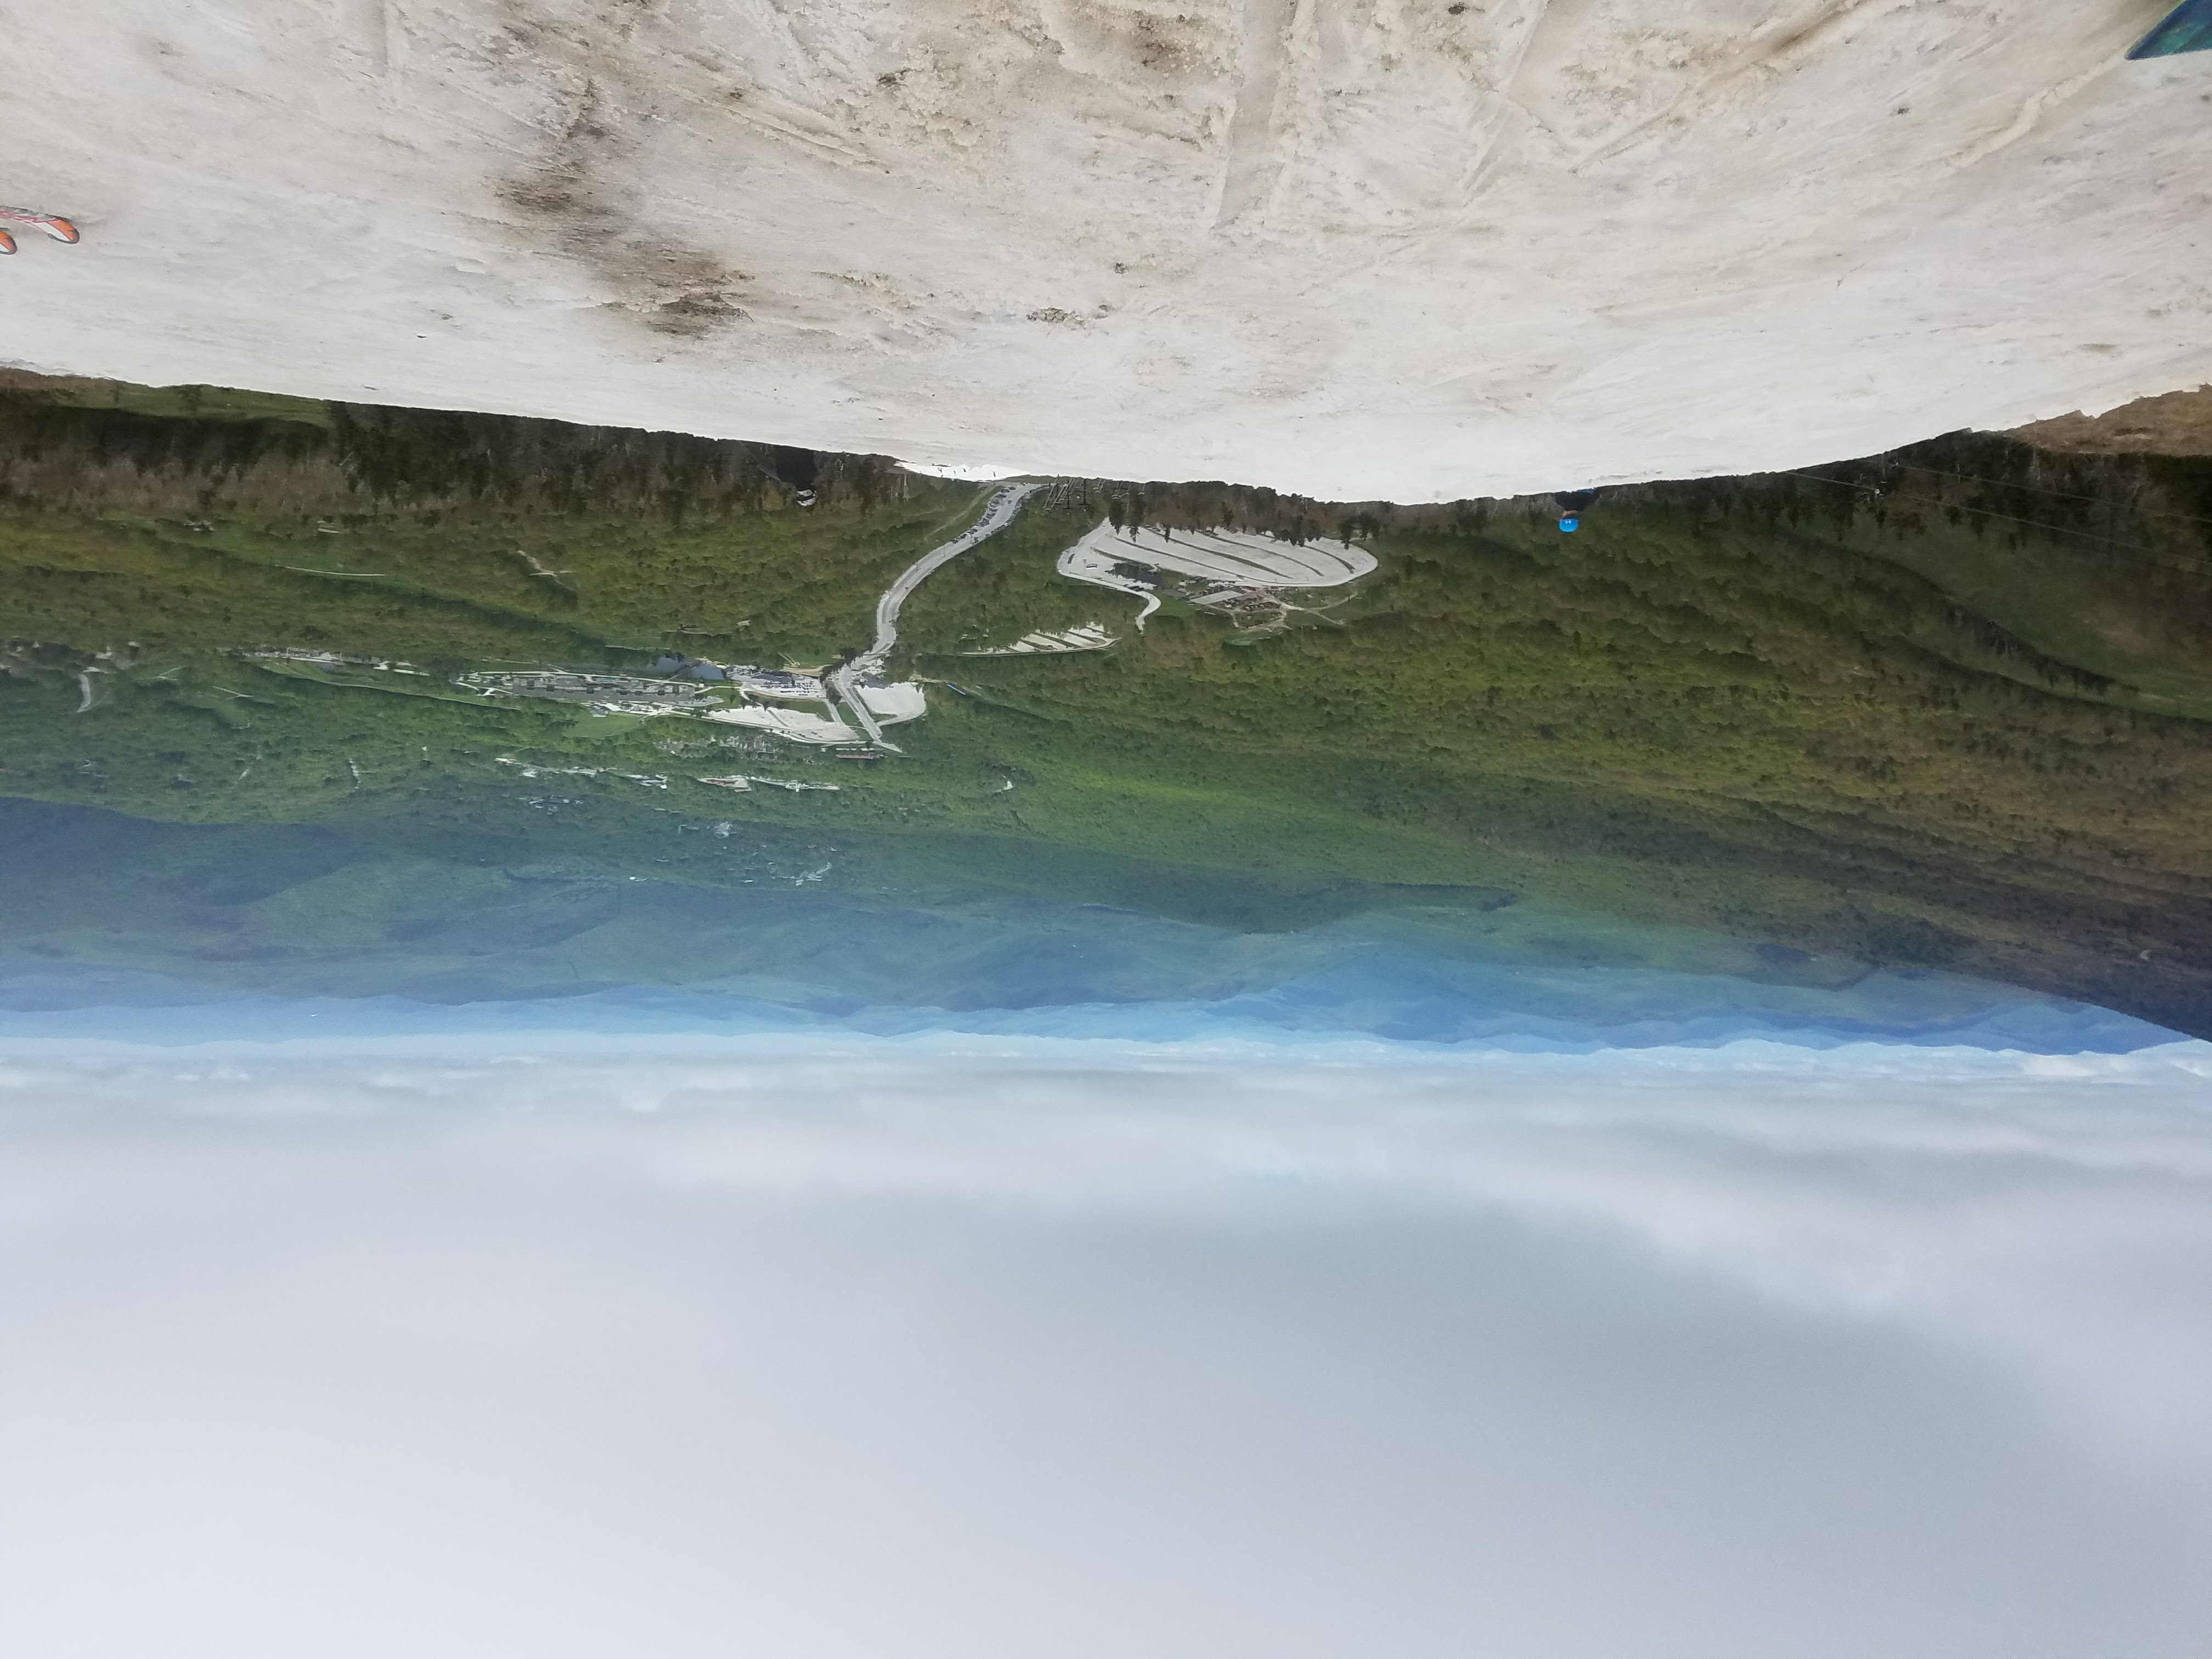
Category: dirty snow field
<point>1361,249</point>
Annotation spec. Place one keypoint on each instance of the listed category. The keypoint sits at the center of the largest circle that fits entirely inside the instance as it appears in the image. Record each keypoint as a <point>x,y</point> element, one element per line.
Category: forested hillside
<point>1946,707</point>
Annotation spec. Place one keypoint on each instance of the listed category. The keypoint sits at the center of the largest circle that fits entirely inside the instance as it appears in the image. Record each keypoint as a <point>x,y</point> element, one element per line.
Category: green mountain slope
<point>1947,708</point>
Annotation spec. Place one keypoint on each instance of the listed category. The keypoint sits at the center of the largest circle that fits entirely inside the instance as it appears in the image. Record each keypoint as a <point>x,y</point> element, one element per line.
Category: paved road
<point>1005,504</point>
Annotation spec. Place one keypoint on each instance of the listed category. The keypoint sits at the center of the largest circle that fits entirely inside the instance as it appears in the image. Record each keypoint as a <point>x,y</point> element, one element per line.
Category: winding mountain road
<point>1004,505</point>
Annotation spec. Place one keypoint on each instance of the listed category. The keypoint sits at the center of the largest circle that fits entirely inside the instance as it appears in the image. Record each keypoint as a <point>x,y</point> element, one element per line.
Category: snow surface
<point>1357,248</point>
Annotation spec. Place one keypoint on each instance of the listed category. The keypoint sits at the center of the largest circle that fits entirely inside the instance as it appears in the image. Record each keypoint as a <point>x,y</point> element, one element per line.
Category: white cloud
<point>928,1349</point>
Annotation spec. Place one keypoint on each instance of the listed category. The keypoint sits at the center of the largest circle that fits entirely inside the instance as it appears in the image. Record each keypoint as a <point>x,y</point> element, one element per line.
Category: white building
<point>775,682</point>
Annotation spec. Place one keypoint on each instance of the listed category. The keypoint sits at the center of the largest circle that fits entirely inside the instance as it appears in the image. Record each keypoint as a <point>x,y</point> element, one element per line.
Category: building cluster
<point>743,780</point>
<point>604,694</point>
<point>336,659</point>
<point>787,703</point>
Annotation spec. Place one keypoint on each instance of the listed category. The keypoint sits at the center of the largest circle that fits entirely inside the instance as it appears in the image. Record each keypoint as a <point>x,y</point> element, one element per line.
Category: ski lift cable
<point>2157,556</point>
<point>2043,489</point>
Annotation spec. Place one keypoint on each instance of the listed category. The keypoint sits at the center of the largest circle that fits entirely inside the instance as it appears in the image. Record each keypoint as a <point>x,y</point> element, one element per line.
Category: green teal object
<point>2187,27</point>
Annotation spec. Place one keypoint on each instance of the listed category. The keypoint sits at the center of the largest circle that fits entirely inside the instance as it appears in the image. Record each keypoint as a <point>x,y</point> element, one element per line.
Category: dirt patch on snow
<point>2174,423</point>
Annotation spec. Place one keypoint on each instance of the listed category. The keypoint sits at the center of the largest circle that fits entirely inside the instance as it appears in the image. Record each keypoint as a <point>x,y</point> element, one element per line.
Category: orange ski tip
<point>53,223</point>
<point>7,243</point>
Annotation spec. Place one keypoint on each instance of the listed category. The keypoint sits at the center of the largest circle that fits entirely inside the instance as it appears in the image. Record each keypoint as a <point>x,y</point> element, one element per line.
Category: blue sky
<point>980,1347</point>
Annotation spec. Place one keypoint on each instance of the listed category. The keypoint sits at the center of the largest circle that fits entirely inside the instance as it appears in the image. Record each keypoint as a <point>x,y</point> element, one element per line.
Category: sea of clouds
<point>953,1347</point>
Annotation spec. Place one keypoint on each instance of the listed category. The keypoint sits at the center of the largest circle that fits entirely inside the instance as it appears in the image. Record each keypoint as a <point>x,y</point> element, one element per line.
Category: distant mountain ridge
<point>134,930</point>
<point>1624,1009</point>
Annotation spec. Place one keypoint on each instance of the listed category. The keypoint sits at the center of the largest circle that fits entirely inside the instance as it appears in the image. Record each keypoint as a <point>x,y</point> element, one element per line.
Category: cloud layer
<point>1093,1350</point>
